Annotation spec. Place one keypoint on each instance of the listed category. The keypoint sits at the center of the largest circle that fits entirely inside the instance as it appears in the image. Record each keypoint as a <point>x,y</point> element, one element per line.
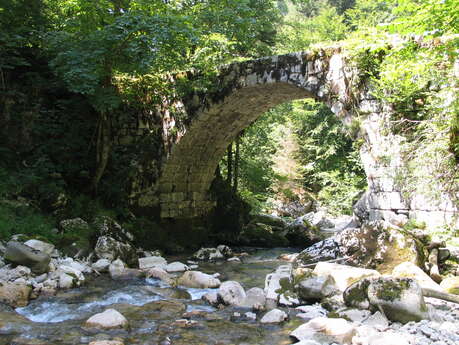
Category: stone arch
<point>245,91</point>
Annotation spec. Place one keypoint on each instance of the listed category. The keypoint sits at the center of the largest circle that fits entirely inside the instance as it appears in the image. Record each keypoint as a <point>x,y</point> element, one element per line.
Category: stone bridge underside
<point>245,91</point>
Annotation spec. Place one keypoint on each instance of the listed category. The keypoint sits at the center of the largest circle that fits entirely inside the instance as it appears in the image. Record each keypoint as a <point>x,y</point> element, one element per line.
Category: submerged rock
<point>109,319</point>
<point>21,254</point>
<point>161,274</point>
<point>106,342</point>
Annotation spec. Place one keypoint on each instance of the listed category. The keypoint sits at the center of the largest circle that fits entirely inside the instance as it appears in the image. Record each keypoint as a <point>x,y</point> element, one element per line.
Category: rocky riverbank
<point>364,285</point>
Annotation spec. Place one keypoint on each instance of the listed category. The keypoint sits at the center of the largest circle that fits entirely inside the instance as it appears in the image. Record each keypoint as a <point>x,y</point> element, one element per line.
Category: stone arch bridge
<point>243,92</point>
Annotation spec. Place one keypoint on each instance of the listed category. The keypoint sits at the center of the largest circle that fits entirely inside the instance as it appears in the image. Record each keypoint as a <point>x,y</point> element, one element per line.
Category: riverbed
<point>156,312</point>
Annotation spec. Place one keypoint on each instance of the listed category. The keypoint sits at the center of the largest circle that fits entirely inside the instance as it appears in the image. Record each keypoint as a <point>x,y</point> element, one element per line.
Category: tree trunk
<point>103,146</point>
<point>229,165</point>
<point>236,163</point>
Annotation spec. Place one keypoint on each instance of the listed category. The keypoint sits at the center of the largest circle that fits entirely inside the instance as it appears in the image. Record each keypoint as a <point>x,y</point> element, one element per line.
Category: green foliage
<point>298,31</point>
<point>331,164</point>
<point>21,218</point>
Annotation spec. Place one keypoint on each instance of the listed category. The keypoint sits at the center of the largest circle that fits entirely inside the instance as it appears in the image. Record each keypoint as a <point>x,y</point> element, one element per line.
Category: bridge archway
<point>250,89</point>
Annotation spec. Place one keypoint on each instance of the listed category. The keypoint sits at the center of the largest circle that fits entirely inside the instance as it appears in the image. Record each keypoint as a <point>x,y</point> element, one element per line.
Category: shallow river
<point>151,308</point>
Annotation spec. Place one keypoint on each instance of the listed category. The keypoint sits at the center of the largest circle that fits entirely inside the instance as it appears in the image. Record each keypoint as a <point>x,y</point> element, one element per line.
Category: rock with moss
<point>379,245</point>
<point>314,287</point>
<point>109,248</point>
<point>400,299</point>
<point>356,295</point>
<point>106,226</point>
<point>273,221</point>
<point>302,233</point>
<point>273,287</point>
<point>262,235</point>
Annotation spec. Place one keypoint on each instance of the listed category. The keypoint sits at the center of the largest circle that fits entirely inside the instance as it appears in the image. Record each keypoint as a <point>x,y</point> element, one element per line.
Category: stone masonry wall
<point>246,90</point>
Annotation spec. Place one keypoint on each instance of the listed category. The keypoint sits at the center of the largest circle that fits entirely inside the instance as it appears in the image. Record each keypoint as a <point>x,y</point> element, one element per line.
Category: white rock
<point>272,284</point>
<point>66,281</point>
<point>176,267</point>
<point>255,299</point>
<point>354,315</point>
<point>377,320</point>
<point>40,245</point>
<point>410,270</point>
<point>208,254</point>
<point>109,319</point>
<point>232,293</point>
<point>72,271</point>
<point>225,250</point>
<point>309,312</point>
<point>211,298</point>
<point>387,339</point>
<point>339,330</point>
<point>342,274</point>
<point>101,265</point>
<point>251,316</point>
<point>234,259</point>
<point>116,268</point>
<point>274,316</point>
<point>161,274</point>
<point>288,301</point>
<point>197,279</point>
<point>152,261</point>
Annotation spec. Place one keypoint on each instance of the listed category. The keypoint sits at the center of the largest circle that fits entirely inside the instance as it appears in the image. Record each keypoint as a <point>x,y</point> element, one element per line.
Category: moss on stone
<point>392,290</point>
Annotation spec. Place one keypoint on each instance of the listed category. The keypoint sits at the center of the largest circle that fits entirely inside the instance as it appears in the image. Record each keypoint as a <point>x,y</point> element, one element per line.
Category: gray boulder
<point>106,226</point>
<point>400,299</point>
<point>44,247</point>
<point>21,254</point>
<point>301,232</point>
<point>316,287</point>
<point>232,293</point>
<point>255,299</point>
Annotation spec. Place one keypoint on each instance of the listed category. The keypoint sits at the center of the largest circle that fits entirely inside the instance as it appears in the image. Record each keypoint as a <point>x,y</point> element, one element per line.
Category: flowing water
<point>151,307</point>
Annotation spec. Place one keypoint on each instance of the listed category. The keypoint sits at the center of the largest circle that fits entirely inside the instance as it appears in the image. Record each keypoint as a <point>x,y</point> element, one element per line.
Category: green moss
<point>357,293</point>
<point>392,290</point>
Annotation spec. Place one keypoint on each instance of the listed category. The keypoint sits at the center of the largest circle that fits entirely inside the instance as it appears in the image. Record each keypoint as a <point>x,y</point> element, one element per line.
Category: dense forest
<point>70,70</point>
